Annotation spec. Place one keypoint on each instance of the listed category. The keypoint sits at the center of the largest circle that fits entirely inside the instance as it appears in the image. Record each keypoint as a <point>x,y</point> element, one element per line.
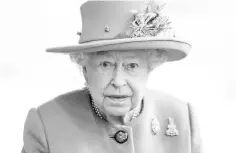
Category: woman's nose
<point>118,78</point>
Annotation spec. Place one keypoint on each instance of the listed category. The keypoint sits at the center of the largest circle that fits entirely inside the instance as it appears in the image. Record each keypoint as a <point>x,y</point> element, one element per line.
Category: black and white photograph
<point>118,76</point>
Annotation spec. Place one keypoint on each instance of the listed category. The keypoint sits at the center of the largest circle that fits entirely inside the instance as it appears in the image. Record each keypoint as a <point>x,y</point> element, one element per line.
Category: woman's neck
<point>115,120</point>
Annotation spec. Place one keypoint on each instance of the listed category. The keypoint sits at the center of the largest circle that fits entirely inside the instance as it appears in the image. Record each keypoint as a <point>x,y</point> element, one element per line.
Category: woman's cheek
<point>98,78</point>
<point>137,93</point>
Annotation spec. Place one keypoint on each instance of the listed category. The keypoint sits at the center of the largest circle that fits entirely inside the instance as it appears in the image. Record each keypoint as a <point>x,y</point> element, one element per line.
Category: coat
<point>67,124</point>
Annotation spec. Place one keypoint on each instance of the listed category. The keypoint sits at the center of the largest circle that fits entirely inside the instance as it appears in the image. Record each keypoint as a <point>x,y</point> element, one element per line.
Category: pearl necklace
<point>96,110</point>
<point>136,111</point>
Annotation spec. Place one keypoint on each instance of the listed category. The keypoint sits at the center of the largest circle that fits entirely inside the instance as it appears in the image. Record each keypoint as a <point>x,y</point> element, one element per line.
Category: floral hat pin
<point>150,22</point>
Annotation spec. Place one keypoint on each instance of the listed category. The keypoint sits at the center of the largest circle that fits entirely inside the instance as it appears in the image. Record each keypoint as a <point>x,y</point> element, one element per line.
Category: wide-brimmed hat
<point>126,25</point>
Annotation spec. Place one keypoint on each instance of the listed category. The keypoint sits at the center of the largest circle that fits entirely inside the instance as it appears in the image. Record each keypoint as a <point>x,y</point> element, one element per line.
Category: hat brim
<point>176,49</point>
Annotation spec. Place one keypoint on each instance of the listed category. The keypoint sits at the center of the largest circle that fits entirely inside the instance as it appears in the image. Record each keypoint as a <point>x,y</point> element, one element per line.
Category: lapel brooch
<point>155,125</point>
<point>171,128</point>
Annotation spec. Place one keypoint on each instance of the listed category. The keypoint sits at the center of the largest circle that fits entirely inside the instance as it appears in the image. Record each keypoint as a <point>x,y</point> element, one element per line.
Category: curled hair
<point>155,58</point>
<point>79,58</point>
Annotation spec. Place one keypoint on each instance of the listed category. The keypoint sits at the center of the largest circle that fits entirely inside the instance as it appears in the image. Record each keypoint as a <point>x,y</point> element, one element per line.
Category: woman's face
<point>117,80</point>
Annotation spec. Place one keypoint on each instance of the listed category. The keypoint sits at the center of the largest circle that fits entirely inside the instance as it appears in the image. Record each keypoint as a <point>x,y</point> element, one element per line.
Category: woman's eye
<point>106,64</point>
<point>132,65</point>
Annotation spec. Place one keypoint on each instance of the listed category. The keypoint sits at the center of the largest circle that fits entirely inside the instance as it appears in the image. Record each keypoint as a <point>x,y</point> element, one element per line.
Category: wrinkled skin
<point>117,80</point>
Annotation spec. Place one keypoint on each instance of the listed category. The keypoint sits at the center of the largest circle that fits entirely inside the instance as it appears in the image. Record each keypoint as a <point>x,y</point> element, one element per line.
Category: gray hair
<point>155,58</point>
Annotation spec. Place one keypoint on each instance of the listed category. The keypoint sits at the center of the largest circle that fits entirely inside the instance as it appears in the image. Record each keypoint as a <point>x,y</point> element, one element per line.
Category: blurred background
<point>30,77</point>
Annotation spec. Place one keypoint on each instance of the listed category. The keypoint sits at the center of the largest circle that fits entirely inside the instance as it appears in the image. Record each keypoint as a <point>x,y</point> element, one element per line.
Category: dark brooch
<point>121,136</point>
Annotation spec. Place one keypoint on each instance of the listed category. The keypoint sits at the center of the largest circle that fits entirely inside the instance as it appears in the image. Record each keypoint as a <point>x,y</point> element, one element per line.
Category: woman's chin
<point>117,107</point>
<point>116,111</point>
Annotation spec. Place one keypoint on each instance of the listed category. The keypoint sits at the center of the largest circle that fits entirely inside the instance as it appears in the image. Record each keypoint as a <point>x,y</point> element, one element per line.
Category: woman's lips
<point>117,99</point>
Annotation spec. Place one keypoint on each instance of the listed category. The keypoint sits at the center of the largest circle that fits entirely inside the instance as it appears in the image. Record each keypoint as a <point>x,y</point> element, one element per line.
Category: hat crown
<point>109,19</point>
<point>127,25</point>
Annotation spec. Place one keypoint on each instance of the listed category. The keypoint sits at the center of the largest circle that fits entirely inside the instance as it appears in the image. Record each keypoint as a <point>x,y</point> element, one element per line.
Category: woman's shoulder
<point>71,96</point>
<point>166,103</point>
<point>162,96</point>
<point>56,121</point>
<point>76,100</point>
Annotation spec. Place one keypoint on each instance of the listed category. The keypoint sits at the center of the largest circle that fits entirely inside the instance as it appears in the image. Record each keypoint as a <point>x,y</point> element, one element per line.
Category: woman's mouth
<point>118,98</point>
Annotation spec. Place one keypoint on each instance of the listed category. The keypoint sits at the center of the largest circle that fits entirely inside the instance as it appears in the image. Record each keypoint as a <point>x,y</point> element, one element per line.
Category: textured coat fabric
<point>67,124</point>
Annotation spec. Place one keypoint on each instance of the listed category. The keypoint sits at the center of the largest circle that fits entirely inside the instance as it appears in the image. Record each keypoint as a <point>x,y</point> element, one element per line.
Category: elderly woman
<point>120,44</point>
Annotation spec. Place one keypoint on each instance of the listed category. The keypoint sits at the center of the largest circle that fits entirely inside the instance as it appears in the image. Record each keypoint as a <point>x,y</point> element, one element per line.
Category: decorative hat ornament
<point>150,22</point>
<point>126,25</point>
